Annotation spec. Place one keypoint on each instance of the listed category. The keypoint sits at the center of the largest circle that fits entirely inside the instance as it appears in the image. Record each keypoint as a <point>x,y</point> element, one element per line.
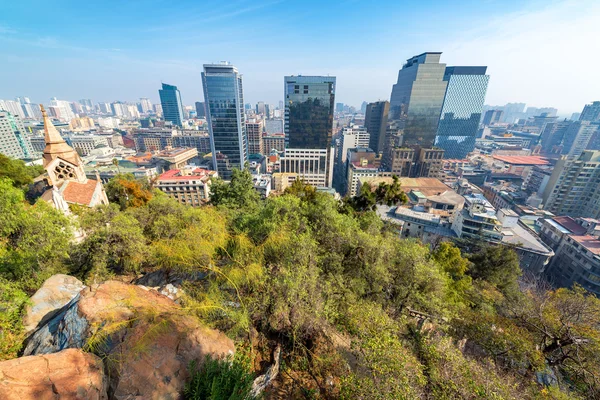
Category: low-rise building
<point>190,186</point>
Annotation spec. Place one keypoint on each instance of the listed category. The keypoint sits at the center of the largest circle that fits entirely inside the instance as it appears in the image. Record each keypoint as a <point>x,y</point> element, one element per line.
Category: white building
<point>84,144</point>
<point>146,105</point>
<point>13,140</point>
<point>352,137</point>
<point>66,114</point>
<point>311,165</point>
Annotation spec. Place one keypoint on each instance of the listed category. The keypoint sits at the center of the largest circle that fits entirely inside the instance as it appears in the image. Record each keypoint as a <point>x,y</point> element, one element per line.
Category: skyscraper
<point>376,119</point>
<point>172,107</point>
<point>254,129</point>
<point>13,140</point>
<point>492,117</point>
<point>417,99</point>
<point>309,105</point>
<point>200,109</point>
<point>461,111</point>
<point>226,117</point>
<point>591,112</point>
<point>145,105</point>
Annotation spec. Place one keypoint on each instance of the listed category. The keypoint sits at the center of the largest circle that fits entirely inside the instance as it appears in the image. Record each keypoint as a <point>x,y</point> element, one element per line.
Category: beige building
<point>187,186</point>
<point>254,130</point>
<point>82,124</point>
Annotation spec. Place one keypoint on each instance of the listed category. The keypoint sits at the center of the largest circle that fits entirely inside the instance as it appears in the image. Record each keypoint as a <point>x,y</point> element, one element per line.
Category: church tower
<point>66,176</point>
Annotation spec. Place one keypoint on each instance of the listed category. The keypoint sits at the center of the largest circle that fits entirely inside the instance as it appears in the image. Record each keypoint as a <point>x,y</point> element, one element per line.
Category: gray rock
<point>55,293</point>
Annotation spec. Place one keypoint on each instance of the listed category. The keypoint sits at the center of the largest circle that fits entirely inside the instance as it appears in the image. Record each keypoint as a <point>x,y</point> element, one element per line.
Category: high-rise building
<point>417,99</point>
<point>13,140</point>
<point>461,111</point>
<point>63,107</point>
<point>254,128</point>
<point>492,117</point>
<point>573,187</point>
<point>376,118</point>
<point>145,105</point>
<point>591,112</point>
<point>200,109</point>
<point>553,135</point>
<point>226,117</point>
<point>577,137</point>
<point>172,107</point>
<point>352,137</point>
<point>513,111</point>
<point>309,104</point>
<point>13,107</point>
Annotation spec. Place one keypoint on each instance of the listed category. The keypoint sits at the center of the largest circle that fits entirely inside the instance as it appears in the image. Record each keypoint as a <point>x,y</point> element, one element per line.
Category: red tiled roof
<point>570,224</point>
<point>591,243</point>
<point>173,174</point>
<point>523,160</point>
<point>79,193</point>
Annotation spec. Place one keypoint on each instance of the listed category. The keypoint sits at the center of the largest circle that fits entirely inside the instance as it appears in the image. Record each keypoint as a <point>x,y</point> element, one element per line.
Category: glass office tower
<point>224,102</point>
<point>461,111</point>
<point>417,98</point>
<point>376,118</point>
<point>309,105</point>
<point>170,100</point>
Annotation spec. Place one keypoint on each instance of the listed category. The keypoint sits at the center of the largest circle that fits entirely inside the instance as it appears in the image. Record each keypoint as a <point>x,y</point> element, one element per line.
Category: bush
<point>219,379</point>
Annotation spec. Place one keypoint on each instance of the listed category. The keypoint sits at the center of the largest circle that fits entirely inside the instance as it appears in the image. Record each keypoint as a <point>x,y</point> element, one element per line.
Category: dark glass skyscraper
<point>224,102</point>
<point>170,101</point>
<point>309,105</point>
<point>376,118</point>
<point>461,111</point>
<point>417,99</point>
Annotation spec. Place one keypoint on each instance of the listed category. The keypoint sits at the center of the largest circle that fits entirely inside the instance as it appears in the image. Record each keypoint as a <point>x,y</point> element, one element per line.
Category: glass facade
<point>223,96</point>
<point>170,101</point>
<point>461,111</point>
<point>376,119</point>
<point>417,98</point>
<point>309,105</point>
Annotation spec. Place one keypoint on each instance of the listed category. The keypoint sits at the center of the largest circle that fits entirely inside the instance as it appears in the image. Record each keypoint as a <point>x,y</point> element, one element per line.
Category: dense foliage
<point>358,312</point>
<point>16,170</point>
<point>219,380</point>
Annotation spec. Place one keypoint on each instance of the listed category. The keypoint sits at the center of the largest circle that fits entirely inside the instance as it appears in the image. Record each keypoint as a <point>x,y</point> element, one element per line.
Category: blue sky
<point>121,50</point>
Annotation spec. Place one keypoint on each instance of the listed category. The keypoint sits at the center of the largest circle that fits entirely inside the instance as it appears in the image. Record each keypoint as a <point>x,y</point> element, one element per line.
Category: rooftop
<point>520,236</point>
<point>569,224</point>
<point>590,243</point>
<point>522,160</point>
<point>176,174</point>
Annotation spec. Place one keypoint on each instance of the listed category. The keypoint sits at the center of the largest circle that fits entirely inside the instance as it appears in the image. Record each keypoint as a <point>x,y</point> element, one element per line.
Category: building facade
<point>461,110</point>
<point>13,140</point>
<point>170,101</point>
<point>591,112</point>
<point>376,118</point>
<point>255,127</point>
<point>189,186</point>
<point>309,105</point>
<point>223,93</point>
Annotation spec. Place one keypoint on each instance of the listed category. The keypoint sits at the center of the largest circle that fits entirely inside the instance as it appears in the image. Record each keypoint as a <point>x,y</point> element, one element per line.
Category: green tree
<point>19,173</point>
<point>237,194</point>
<point>389,194</point>
<point>498,265</point>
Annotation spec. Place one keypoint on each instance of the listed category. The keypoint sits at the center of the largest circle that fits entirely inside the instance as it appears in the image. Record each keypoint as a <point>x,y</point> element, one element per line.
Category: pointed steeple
<point>56,147</point>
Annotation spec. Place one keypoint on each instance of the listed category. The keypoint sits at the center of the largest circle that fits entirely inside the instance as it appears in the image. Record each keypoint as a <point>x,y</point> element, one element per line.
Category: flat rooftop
<point>522,160</point>
<point>569,224</point>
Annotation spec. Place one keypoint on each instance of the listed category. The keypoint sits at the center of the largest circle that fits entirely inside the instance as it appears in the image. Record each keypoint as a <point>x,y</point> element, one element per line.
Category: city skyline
<point>523,46</point>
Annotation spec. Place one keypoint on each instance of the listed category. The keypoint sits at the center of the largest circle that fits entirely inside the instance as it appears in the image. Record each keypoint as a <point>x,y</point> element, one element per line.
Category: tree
<point>127,191</point>
<point>303,190</point>
<point>19,173</point>
<point>498,265</point>
<point>237,194</point>
<point>389,194</point>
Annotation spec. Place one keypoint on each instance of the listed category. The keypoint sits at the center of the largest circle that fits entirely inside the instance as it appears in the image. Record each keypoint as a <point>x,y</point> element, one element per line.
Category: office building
<point>254,129</point>
<point>417,99</point>
<point>376,118</point>
<point>274,126</point>
<point>573,188</point>
<point>188,138</point>
<point>360,164</point>
<point>461,110</point>
<point>577,137</point>
<point>84,144</point>
<point>200,109</point>
<point>552,136</point>
<point>273,141</point>
<point>492,117</point>
<point>13,140</point>
<point>513,111</point>
<point>170,101</point>
<point>591,112</point>
<point>309,104</point>
<point>226,117</point>
<point>352,137</point>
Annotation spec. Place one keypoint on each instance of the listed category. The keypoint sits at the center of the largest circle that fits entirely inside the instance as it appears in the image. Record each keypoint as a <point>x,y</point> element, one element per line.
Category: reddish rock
<point>69,374</point>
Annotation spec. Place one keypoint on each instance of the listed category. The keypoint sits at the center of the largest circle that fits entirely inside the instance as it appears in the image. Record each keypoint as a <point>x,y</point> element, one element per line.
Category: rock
<point>145,338</point>
<point>70,374</point>
<point>54,294</point>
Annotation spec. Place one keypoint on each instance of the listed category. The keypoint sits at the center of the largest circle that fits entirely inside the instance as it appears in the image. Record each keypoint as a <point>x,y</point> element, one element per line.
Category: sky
<point>543,53</point>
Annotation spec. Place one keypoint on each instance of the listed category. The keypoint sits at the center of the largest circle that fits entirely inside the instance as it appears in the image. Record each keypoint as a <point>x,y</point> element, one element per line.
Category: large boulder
<point>54,294</point>
<point>146,339</point>
<point>69,374</point>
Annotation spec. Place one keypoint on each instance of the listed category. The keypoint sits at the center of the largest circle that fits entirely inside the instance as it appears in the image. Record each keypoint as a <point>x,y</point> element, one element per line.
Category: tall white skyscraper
<point>64,107</point>
<point>145,104</point>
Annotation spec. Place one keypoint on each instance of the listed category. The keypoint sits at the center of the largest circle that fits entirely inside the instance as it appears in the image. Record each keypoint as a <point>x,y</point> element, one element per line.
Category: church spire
<point>56,147</point>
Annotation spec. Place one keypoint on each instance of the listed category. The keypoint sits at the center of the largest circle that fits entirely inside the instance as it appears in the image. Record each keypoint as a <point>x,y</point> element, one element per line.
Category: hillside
<point>352,310</point>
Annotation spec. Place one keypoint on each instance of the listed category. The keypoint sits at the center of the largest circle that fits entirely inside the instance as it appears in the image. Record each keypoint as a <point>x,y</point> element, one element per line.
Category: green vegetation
<point>19,173</point>
<point>229,379</point>
<point>359,313</point>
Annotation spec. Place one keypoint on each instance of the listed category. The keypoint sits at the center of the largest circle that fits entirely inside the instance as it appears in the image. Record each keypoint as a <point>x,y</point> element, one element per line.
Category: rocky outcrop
<point>69,374</point>
<point>146,340</point>
<point>55,293</point>
<point>263,381</point>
